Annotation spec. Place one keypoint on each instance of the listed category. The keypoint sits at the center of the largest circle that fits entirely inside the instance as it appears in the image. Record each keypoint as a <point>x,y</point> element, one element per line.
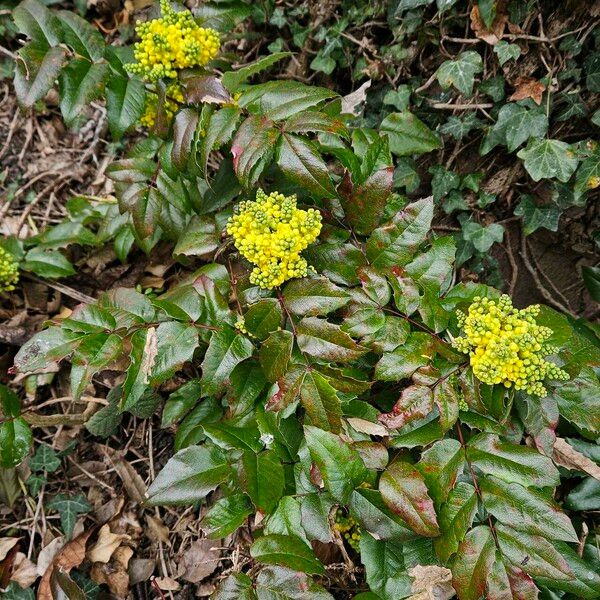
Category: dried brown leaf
<point>492,35</point>
<point>566,456</point>
<point>199,561</point>
<point>6,545</point>
<point>24,571</point>
<point>106,545</point>
<point>157,531</point>
<point>528,87</point>
<point>431,583</point>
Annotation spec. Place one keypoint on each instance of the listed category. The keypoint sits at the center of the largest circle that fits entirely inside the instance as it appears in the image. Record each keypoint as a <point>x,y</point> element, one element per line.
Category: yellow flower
<point>9,271</point>
<point>173,96</point>
<point>349,528</point>
<point>271,232</point>
<point>175,41</point>
<point>506,345</point>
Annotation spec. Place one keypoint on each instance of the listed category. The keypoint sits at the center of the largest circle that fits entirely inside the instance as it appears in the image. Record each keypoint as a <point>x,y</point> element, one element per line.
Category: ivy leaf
<point>80,82</point>
<point>455,519</point>
<point>588,174</point>
<point>473,563</point>
<point>44,459</point>
<point>526,509</point>
<point>252,148</point>
<point>535,217</point>
<point>287,551</point>
<point>340,465</point>
<point>403,490</point>
<point>395,244</point>
<point>506,51</point>
<point>459,128</point>
<point>461,72</point>
<point>262,478</point>
<point>324,340</point>
<point>36,71</point>
<point>408,135</point>
<point>483,238</point>
<point>301,162</point>
<point>515,125</point>
<point>15,592</point>
<point>314,296</point>
<point>548,159</point>
<point>543,560</point>
<point>69,508</point>
<point>226,350</point>
<point>511,462</point>
<point>188,476</point>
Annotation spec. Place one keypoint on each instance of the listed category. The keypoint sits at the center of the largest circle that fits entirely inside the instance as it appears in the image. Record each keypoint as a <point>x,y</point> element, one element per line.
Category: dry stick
<point>11,131</point>
<point>50,187</point>
<point>59,287</point>
<point>450,106</point>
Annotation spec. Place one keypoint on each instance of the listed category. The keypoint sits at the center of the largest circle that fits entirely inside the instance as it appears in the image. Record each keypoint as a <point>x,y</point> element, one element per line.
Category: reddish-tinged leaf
<point>289,390</point>
<point>445,397</point>
<point>184,129</point>
<point>403,490</point>
<point>510,583</point>
<point>440,467</point>
<point>198,90</point>
<point>324,340</point>
<point>321,402</point>
<point>415,403</point>
<point>473,564</point>
<point>528,87</point>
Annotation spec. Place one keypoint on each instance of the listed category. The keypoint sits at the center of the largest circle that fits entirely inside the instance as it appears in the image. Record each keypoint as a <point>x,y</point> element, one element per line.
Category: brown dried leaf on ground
<point>6,545</point>
<point>107,544</point>
<point>492,35</point>
<point>200,560</point>
<point>528,87</point>
<point>24,571</point>
<point>566,456</point>
<point>115,573</point>
<point>431,583</point>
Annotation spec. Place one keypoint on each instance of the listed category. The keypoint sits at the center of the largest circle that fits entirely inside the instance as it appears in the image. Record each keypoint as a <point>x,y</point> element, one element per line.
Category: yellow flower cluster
<point>174,94</point>
<point>507,346</point>
<point>9,271</point>
<point>175,41</point>
<point>271,232</point>
<point>349,528</point>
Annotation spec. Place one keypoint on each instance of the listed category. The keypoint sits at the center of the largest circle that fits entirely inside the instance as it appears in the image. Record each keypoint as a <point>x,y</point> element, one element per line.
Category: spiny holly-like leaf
<point>301,162</point>
<point>324,340</point>
<point>144,346</point>
<point>406,359</point>
<point>124,104</point>
<point>233,80</point>
<point>526,509</point>
<point>473,563</point>
<point>408,135</point>
<point>189,476</point>
<point>226,350</point>
<point>286,551</point>
<point>311,121</point>
<point>314,296</point>
<point>548,159</point>
<point>395,244</point>
<point>455,519</point>
<point>440,467</point>
<point>83,37</point>
<point>184,130</point>
<point>218,131</point>
<point>340,465</point>
<point>69,508</point>
<point>38,22</point>
<point>403,490</point>
<point>445,397</point>
<point>321,402</point>
<point>36,72</point>
<point>511,462</point>
<point>275,353</point>
<point>415,403</point>
<point>262,478</point>
<point>506,581</point>
<point>460,72</point>
<point>15,441</point>
<point>226,515</point>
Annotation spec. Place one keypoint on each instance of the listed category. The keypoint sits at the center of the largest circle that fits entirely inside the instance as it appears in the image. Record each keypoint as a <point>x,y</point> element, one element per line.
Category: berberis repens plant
<point>337,384</point>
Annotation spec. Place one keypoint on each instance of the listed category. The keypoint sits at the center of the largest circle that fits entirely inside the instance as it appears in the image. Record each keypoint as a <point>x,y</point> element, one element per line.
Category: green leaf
<point>200,238</point>
<point>106,421</point>
<point>455,519</point>
<point>403,490</point>
<point>415,403</point>
<point>218,131</point>
<point>511,462</point>
<point>11,405</point>
<point>279,100</point>
<point>340,465</point>
<point>125,100</point>
<point>506,51</point>
<point>301,162</point>
<point>473,564</point>
<point>591,278</point>
<point>184,131</point>
<point>189,476</point>
<point>226,350</point>
<point>588,174</point>
<point>36,72</point>
<point>526,509</point>
<point>262,478</point>
<point>310,121</point>
<point>400,364</point>
<point>432,269</point>
<point>535,216</point>
<point>396,243</point>
<point>543,559</point>
<point>313,296</point>
<point>321,402</point>
<point>445,397</point>
<point>287,551</point>
<point>461,72</point>
<point>15,592</point>
<point>15,441</point>
<point>142,357</point>
<point>508,581</point>
<point>440,466</point>
<point>408,135</point>
<point>176,345</point>
<point>263,318</point>
<point>226,515</point>
<point>69,508</point>
<point>252,149</point>
<point>275,353</point>
<point>35,20</point>
<point>44,459</point>
<point>483,238</point>
<point>233,80</point>
<point>79,83</point>
<point>548,159</point>
<point>324,340</point>
<point>181,402</point>
<point>45,349</point>
<point>515,125</point>
<point>82,37</point>
<point>50,264</point>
